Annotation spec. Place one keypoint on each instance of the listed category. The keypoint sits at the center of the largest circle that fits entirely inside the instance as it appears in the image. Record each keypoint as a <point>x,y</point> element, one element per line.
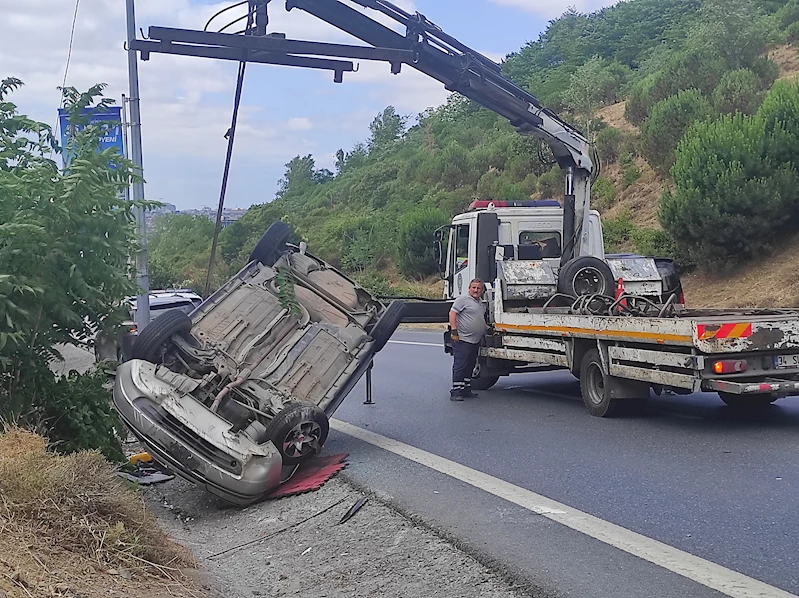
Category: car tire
<point>594,388</point>
<point>298,432</point>
<point>586,275</point>
<point>149,341</point>
<point>267,250</point>
<point>387,324</point>
<point>756,401</point>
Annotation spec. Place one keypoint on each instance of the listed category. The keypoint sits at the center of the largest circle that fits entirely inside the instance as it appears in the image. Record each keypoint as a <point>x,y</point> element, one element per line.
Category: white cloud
<point>187,102</point>
<point>554,8</point>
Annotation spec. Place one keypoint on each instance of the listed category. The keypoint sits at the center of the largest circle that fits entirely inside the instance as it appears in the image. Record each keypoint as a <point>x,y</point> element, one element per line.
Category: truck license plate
<point>786,361</point>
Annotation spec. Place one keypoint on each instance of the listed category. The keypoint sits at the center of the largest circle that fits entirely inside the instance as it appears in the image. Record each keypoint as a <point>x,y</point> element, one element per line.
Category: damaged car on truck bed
<point>242,387</point>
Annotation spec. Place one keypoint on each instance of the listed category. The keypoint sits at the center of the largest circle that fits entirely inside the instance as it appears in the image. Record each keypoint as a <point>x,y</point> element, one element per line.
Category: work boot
<point>466,391</point>
<point>456,394</point>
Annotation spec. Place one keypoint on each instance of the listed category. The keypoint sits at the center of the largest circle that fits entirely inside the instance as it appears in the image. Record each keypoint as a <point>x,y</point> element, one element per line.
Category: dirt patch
<point>771,281</point>
<point>70,526</point>
<point>613,115</point>
<point>787,58</point>
<point>641,199</point>
<point>378,552</point>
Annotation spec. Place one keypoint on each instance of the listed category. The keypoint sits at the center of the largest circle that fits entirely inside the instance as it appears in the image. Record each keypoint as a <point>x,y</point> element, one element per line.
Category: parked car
<point>117,344</point>
<point>243,385</point>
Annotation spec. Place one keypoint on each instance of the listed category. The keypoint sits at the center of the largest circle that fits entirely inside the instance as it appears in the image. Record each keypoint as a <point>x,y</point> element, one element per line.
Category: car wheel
<point>387,324</point>
<point>150,341</point>
<point>267,250</point>
<point>298,431</point>
<point>594,388</point>
<point>756,401</point>
<point>586,275</point>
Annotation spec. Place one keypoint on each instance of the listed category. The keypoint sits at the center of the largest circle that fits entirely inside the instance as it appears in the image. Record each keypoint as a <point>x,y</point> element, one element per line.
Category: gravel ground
<point>294,546</point>
<point>377,552</point>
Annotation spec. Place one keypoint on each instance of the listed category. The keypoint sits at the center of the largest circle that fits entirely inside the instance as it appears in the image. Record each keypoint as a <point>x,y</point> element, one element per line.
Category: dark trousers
<point>465,355</point>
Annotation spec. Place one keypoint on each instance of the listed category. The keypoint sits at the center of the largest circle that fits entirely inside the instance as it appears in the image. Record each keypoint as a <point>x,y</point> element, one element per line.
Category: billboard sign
<point>109,118</point>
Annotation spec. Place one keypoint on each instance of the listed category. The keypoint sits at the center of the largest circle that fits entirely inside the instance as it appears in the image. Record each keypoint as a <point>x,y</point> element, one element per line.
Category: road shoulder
<point>377,552</point>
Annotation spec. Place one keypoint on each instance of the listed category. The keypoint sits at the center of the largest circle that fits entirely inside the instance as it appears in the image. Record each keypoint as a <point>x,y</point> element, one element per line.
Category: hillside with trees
<point>690,105</point>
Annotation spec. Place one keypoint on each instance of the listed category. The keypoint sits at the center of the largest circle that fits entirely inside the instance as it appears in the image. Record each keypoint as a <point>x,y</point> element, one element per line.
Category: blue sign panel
<point>108,118</point>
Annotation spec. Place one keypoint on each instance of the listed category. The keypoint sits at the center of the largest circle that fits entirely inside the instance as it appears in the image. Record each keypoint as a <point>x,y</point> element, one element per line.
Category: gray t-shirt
<point>470,319</point>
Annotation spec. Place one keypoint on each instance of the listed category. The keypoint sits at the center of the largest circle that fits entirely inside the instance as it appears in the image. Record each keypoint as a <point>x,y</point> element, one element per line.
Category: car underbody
<point>244,385</point>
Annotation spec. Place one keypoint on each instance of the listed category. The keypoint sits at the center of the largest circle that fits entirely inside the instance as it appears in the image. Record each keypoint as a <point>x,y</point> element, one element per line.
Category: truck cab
<point>526,230</point>
<point>527,236</point>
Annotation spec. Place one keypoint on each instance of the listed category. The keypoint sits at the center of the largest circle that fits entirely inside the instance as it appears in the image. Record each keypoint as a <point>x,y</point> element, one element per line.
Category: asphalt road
<point>689,472</point>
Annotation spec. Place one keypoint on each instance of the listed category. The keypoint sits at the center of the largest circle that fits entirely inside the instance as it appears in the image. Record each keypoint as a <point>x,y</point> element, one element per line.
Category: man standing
<point>468,326</point>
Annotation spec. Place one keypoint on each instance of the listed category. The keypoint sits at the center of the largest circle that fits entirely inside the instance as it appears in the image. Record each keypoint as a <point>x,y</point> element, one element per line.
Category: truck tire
<point>593,387</point>
<point>298,432</point>
<point>267,250</point>
<point>757,401</point>
<point>586,275</point>
<point>149,342</point>
<point>387,324</point>
<point>484,382</point>
<point>481,382</point>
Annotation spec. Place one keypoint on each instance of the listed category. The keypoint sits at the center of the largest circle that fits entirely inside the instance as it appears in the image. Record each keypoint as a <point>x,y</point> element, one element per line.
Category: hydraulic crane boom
<point>478,78</point>
<point>425,47</point>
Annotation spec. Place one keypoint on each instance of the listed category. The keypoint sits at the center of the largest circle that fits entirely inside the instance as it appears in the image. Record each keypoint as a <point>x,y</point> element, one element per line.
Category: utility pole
<point>142,278</point>
<point>125,142</point>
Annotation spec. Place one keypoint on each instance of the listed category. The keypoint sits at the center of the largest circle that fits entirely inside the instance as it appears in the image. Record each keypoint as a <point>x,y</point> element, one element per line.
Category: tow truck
<point>613,321</point>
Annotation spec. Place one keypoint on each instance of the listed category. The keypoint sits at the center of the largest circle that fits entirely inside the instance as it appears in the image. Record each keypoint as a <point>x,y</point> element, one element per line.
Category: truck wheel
<point>298,432</point>
<point>586,275</point>
<point>593,387</point>
<point>387,324</point>
<point>480,382</point>
<point>268,248</point>
<point>757,401</point>
<point>150,341</point>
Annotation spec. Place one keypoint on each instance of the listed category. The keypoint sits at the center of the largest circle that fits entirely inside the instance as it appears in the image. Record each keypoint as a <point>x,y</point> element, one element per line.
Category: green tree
<point>387,127</point>
<point>65,242</point>
<point>731,197</point>
<point>669,121</point>
<point>589,87</point>
<point>415,241</point>
<point>738,91</point>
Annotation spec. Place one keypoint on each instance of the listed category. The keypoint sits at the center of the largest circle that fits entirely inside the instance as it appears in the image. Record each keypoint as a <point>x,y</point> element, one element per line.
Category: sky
<point>186,102</point>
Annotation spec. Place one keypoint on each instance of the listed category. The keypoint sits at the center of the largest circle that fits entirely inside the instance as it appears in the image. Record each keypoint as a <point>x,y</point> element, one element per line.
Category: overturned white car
<point>243,386</point>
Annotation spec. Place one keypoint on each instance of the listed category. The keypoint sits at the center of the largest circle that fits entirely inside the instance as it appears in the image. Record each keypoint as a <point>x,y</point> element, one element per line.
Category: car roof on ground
<point>169,296</point>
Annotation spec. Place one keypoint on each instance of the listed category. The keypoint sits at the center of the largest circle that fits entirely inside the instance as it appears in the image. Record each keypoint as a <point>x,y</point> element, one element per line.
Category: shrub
<point>374,281</point>
<point>617,232</point>
<point>415,241</point>
<point>77,413</point>
<point>629,171</point>
<point>65,243</point>
<point>668,122</point>
<point>608,144</point>
<point>603,193</point>
<point>551,184</point>
<point>788,15</point>
<point>779,115</point>
<point>731,198</point>
<point>738,91</point>
<point>792,33</point>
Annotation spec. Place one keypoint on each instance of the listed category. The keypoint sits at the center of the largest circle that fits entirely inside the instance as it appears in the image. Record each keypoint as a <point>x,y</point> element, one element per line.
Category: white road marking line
<point>417,343</point>
<point>704,572</point>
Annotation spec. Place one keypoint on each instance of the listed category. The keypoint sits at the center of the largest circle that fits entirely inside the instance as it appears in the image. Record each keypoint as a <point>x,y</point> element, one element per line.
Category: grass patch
<point>76,503</point>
